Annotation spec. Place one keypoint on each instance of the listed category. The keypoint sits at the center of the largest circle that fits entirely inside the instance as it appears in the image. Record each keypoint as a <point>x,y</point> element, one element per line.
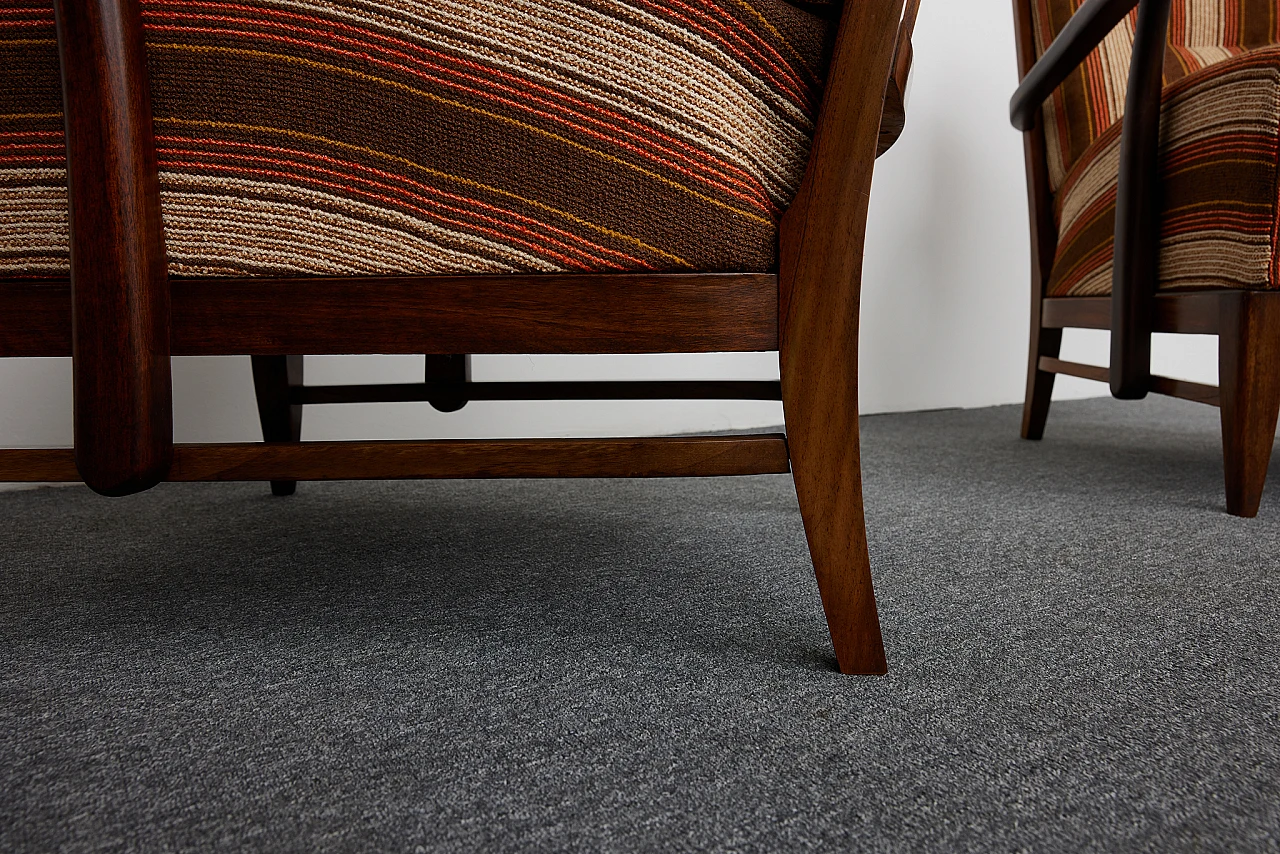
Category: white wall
<point>945,297</point>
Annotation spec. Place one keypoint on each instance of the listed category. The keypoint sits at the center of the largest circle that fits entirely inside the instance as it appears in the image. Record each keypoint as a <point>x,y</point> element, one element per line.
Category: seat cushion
<point>1201,33</point>
<point>1220,138</point>
<point>301,137</point>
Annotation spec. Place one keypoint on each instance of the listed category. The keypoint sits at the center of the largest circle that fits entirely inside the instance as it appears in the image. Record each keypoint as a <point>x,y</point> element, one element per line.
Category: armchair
<point>276,178</point>
<point>1151,133</point>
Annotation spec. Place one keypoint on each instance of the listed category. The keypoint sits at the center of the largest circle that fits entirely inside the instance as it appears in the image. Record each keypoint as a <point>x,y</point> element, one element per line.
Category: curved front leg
<point>820,276</point>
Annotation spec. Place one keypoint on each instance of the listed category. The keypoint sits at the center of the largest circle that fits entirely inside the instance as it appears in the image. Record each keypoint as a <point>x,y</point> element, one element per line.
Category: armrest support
<point>1085,31</point>
<point>1136,256</point>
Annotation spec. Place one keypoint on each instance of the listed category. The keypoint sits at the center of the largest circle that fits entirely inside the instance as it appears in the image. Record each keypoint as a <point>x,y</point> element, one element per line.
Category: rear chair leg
<point>1035,408</point>
<point>1249,388</point>
<point>273,376</point>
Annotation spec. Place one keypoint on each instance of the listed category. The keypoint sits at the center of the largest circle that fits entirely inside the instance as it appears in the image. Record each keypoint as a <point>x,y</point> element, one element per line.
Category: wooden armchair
<point>274,178</point>
<point>1151,134</point>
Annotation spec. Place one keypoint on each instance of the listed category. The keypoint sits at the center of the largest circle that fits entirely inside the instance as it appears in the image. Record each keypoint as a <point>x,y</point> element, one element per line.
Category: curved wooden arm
<point>1085,31</point>
<point>119,281</point>
<point>894,117</point>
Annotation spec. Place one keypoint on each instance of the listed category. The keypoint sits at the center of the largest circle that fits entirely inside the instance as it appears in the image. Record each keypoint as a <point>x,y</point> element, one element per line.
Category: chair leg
<point>1035,408</point>
<point>826,466</point>
<point>1249,389</point>
<point>273,376</point>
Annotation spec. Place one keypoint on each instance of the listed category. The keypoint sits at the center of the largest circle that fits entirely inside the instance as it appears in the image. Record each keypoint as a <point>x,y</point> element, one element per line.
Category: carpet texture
<point>1083,647</point>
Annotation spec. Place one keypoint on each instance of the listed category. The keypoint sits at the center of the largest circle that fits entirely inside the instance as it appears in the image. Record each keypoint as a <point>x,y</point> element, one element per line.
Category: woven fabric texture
<point>310,137</point>
<point>1220,139</point>
<point>1091,100</point>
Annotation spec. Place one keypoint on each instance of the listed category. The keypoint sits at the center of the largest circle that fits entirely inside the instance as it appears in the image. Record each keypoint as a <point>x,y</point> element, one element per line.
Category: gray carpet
<point>1084,653</point>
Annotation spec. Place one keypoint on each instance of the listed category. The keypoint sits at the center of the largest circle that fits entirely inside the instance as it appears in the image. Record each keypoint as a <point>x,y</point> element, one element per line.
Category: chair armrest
<point>894,117</point>
<point>1085,31</point>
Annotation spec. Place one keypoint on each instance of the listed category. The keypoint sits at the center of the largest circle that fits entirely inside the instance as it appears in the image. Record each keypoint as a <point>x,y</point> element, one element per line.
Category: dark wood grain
<point>1085,31</point>
<point>685,456</point>
<point>820,280</point>
<point>893,117</point>
<point>274,379</point>
<point>1249,378</point>
<point>1184,389</point>
<point>566,390</point>
<point>1188,312</point>
<point>575,313</point>
<point>120,300</point>
<point>1044,243</point>
<point>1053,365</point>
<point>1136,255</point>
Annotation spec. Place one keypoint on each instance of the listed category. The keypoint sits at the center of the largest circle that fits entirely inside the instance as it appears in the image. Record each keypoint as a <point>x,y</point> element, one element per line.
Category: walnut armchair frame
<point>1247,322</point>
<point>127,318</point>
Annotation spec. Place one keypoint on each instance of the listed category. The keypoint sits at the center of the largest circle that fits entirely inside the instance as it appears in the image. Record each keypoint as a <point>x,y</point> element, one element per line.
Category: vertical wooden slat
<point>120,294</point>
<point>1138,193</point>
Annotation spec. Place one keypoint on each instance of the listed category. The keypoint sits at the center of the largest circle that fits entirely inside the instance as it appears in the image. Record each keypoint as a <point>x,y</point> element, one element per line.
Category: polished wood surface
<point>1184,389</point>
<point>820,281</point>
<point>893,118</point>
<point>119,305</point>
<point>569,313</point>
<point>274,380</point>
<point>1249,378</point>
<point>1136,253</point>
<point>1044,243</point>
<point>1097,373</point>
<point>1085,31</point>
<point>685,456</point>
<point>1188,312</point>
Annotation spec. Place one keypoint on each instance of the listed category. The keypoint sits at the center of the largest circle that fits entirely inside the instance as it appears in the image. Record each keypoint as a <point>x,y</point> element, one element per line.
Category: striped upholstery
<point>1201,33</point>
<point>301,137</point>
<point>1220,143</point>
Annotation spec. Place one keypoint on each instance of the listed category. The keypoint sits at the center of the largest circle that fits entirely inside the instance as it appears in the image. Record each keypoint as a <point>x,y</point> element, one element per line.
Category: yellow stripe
<point>7,116</point>
<point>428,95</point>
<point>428,170</point>
<point>27,41</point>
<point>779,36</point>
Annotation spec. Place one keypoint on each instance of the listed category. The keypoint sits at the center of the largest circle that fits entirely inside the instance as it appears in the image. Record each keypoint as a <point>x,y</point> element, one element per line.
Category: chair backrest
<point>1201,33</point>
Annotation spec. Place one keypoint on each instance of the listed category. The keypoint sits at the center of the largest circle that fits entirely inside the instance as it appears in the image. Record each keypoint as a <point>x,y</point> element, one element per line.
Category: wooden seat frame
<point>127,318</point>
<point>1247,322</point>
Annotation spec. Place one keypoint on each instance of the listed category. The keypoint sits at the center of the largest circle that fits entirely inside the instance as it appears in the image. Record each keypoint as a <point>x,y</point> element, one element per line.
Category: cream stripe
<point>430,96</point>
<point>648,77</point>
<point>299,205</point>
<point>428,171</point>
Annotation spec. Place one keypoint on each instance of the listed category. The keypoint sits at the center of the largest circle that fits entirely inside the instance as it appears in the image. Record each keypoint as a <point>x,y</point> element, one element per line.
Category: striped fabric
<point>1219,223</point>
<point>1201,33</point>
<point>302,137</point>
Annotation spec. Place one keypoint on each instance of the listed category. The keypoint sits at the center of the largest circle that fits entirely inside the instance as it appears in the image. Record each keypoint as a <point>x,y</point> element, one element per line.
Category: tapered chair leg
<point>1249,383</point>
<point>273,376</point>
<point>820,248</point>
<point>826,467</point>
<point>1035,408</point>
